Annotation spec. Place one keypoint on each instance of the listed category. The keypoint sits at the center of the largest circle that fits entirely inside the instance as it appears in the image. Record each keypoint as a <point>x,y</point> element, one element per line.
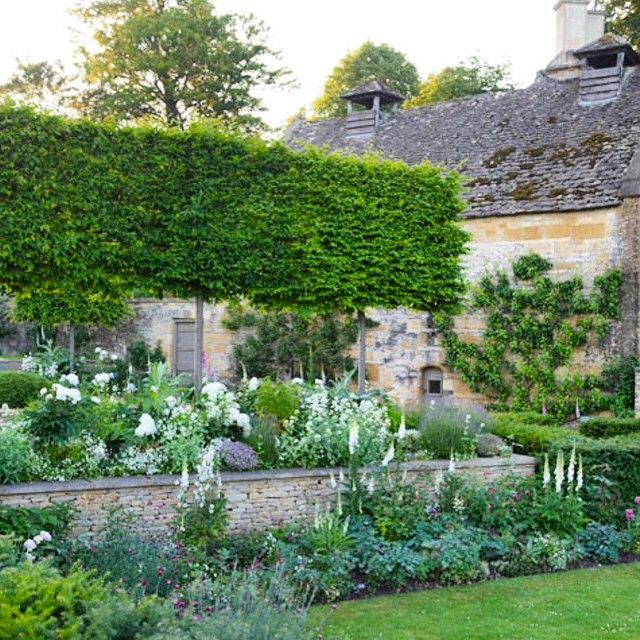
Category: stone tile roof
<point>524,151</point>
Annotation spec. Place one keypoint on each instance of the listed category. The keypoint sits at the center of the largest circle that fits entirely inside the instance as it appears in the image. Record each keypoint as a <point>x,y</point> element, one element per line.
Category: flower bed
<point>256,500</point>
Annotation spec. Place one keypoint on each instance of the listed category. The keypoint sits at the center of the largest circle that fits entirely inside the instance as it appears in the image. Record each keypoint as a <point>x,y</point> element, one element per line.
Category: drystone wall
<point>256,500</point>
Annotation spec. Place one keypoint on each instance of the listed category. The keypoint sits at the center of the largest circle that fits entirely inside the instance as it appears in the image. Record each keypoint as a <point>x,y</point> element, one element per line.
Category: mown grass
<point>590,604</point>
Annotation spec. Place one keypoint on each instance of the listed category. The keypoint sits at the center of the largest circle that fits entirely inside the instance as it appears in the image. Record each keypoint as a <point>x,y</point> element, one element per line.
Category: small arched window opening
<point>432,383</point>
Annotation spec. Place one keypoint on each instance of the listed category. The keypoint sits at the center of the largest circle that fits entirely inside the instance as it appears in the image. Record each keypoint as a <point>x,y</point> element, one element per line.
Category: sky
<point>313,36</point>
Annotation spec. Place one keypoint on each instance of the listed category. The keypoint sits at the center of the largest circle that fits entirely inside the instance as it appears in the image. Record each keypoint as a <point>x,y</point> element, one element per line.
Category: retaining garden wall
<point>256,500</point>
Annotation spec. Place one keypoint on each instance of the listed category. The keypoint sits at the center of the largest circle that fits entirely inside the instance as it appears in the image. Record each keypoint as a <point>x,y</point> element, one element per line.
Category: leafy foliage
<point>218,216</point>
<point>283,344</point>
<point>623,18</point>
<point>367,62</point>
<point>609,427</point>
<point>467,79</point>
<point>533,329</point>
<point>619,380</point>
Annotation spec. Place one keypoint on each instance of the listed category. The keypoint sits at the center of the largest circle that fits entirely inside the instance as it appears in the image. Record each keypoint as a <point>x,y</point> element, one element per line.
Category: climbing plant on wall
<point>534,327</point>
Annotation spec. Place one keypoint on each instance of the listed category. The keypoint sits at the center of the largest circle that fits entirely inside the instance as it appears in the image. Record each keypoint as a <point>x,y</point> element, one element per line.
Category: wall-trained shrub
<point>18,388</point>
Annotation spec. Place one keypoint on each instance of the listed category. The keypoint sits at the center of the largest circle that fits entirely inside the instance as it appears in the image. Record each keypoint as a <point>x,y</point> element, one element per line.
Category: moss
<point>479,182</point>
<point>565,154</point>
<point>553,120</point>
<point>499,157</point>
<point>525,191</point>
<point>512,175</point>
<point>527,166</point>
<point>556,193</point>
<point>534,152</point>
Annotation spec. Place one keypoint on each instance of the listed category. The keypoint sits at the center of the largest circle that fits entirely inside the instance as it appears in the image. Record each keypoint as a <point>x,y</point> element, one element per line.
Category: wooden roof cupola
<point>366,106</point>
<point>602,68</point>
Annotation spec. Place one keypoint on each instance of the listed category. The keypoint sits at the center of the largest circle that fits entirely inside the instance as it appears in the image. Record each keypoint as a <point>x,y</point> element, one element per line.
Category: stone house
<point>552,169</point>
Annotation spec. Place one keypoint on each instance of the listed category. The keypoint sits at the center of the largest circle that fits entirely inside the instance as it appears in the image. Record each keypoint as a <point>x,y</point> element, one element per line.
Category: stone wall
<point>257,500</point>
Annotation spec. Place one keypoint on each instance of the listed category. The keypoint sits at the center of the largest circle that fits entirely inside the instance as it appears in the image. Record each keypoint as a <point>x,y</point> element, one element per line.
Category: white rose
<point>146,426</point>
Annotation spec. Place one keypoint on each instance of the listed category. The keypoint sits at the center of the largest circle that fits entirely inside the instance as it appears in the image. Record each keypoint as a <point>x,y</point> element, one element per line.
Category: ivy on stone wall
<point>534,327</point>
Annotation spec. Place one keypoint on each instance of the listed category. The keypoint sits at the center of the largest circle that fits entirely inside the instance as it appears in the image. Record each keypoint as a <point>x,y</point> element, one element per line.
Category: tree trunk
<point>72,348</point>
<point>362,360</point>
<point>197,370</point>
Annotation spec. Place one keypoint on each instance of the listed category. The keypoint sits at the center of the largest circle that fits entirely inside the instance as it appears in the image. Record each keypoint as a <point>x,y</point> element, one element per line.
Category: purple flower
<point>637,499</point>
<point>629,514</point>
<point>238,456</point>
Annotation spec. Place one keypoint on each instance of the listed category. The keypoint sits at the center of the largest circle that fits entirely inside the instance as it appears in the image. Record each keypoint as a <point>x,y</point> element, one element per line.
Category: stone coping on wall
<point>140,482</point>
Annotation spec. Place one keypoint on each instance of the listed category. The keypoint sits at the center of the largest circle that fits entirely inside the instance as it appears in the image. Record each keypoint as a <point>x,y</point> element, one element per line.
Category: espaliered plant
<point>210,215</point>
<point>534,326</point>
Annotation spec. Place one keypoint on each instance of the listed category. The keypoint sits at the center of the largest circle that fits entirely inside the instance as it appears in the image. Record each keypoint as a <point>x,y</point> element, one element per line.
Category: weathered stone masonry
<point>257,500</point>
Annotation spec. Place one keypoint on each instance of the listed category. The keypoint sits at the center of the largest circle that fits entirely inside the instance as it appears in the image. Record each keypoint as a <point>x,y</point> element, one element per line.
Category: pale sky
<point>314,36</point>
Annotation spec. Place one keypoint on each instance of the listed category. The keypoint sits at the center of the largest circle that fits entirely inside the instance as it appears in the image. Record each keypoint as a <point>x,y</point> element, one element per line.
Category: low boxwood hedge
<point>609,427</point>
<point>18,388</point>
<point>529,432</point>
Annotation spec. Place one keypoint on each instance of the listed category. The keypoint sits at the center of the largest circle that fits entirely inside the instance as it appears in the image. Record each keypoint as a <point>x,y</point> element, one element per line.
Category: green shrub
<point>277,400</point>
<point>140,354</point>
<point>619,380</point>
<point>37,602</point>
<point>25,522</point>
<point>611,475</point>
<point>17,455</point>
<point>263,438</point>
<point>19,388</point>
<point>446,431</point>
<point>609,427</point>
<point>528,437</point>
<point>602,543</point>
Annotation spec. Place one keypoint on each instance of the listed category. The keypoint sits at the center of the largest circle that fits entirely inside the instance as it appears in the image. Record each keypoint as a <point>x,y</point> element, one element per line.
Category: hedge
<point>529,437</point>
<point>609,427</point>
<point>18,388</point>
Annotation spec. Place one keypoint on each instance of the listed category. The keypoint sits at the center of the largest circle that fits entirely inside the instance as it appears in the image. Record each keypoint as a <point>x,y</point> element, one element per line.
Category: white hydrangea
<point>101,380</point>
<point>70,379</point>
<point>213,390</point>
<point>146,426</point>
<point>65,394</point>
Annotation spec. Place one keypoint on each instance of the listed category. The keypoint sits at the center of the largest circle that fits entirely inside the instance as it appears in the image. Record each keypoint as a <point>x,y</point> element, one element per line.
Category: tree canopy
<point>623,18</point>
<point>102,210</point>
<point>467,79</point>
<point>368,62</point>
<point>166,62</point>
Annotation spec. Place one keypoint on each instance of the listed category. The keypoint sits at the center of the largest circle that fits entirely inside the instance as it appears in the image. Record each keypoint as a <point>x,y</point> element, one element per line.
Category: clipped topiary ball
<point>19,388</point>
<point>489,445</point>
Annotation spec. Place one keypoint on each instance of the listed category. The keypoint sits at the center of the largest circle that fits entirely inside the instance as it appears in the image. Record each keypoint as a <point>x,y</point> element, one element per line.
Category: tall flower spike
<point>353,437</point>
<point>580,480</point>
<point>546,474</point>
<point>389,456</point>
<point>452,463</point>
<point>559,471</point>
<point>571,469</point>
<point>402,429</point>
<point>332,480</point>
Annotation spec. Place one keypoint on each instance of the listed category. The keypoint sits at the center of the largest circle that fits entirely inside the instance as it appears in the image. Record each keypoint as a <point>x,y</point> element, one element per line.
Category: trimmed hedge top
<point>18,388</point>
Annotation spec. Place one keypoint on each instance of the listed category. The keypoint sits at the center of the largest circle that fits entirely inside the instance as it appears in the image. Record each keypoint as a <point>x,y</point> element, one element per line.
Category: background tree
<point>172,61</point>
<point>467,79</point>
<point>41,84</point>
<point>367,62</point>
<point>623,18</point>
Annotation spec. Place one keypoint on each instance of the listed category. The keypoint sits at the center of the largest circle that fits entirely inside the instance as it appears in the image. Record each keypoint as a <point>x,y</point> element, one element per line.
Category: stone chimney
<point>576,26</point>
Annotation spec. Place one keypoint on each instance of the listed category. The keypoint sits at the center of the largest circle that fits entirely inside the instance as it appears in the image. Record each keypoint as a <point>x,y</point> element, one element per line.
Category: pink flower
<point>637,499</point>
<point>629,514</point>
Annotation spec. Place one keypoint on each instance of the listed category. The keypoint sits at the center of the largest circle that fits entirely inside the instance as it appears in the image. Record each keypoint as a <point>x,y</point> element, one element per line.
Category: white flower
<point>44,391</point>
<point>213,390</point>
<point>559,471</point>
<point>389,456</point>
<point>319,382</point>
<point>154,388</point>
<point>146,426</point>
<point>253,384</point>
<point>70,379</point>
<point>244,421</point>
<point>102,379</point>
<point>131,388</point>
<point>353,437</point>
<point>37,539</point>
<point>171,401</point>
<point>572,465</point>
<point>452,464</point>
<point>297,381</point>
<point>580,479</point>
<point>95,400</point>
<point>114,357</point>
<point>402,429</point>
<point>65,394</point>
<point>546,474</point>
<point>332,480</point>
<point>30,545</point>
<point>46,536</point>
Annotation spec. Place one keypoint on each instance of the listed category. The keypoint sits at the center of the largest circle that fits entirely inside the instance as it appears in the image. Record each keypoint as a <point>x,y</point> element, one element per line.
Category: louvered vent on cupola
<point>367,106</point>
<point>603,66</point>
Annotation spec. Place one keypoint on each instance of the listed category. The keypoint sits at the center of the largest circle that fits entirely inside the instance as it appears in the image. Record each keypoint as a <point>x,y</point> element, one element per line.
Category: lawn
<point>587,604</point>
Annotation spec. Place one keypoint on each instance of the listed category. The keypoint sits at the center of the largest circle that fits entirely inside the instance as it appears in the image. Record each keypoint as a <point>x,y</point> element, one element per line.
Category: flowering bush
<point>318,433</point>
<point>237,456</point>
